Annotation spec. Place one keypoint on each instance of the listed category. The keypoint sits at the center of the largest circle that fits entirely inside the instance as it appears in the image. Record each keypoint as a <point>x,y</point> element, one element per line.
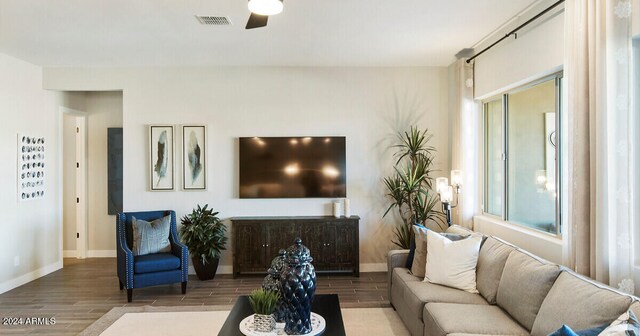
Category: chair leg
<point>121,285</point>
<point>184,287</point>
<point>129,294</point>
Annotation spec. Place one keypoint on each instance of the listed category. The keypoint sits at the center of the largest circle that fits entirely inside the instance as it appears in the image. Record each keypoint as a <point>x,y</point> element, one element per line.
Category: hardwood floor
<point>84,290</point>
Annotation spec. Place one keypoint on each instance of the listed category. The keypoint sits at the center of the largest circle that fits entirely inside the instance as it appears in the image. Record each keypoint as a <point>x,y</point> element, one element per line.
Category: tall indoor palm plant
<point>410,187</point>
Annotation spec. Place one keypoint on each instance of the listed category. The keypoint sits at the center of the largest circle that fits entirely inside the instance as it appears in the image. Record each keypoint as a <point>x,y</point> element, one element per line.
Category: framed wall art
<point>31,167</point>
<point>194,157</point>
<point>161,157</point>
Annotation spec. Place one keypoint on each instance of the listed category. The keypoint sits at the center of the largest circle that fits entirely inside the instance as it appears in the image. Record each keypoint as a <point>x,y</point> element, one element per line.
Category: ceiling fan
<point>260,11</point>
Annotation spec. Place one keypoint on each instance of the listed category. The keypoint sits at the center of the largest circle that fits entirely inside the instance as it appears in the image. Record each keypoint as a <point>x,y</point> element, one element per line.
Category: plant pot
<point>263,323</point>
<point>205,271</point>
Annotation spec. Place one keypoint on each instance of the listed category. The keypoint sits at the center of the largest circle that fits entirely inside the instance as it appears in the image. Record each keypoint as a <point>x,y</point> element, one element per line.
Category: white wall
<point>31,231</point>
<point>103,110</point>
<point>360,103</point>
<point>69,183</point>
<point>537,52</point>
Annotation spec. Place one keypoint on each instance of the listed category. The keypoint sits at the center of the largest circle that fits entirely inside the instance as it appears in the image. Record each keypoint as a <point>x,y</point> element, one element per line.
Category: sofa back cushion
<point>457,229</point>
<point>493,256</point>
<point>579,303</point>
<point>526,280</point>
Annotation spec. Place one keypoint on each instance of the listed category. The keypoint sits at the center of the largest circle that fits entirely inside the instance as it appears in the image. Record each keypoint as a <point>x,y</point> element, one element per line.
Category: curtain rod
<point>515,31</point>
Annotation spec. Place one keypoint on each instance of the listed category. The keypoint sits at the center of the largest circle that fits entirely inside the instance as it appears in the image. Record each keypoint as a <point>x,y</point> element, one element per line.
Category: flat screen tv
<point>293,167</point>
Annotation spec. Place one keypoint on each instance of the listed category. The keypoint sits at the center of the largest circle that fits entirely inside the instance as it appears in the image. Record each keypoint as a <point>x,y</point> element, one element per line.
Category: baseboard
<point>69,254</point>
<point>23,279</point>
<point>222,269</point>
<point>91,254</point>
<point>379,267</point>
<point>101,254</point>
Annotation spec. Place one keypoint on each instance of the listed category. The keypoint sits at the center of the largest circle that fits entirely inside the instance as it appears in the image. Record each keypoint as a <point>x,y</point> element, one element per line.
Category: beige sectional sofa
<point>520,294</point>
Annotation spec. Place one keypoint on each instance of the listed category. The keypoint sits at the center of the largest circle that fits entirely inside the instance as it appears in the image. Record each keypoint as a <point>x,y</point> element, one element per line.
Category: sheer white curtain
<point>465,137</point>
<point>598,233</point>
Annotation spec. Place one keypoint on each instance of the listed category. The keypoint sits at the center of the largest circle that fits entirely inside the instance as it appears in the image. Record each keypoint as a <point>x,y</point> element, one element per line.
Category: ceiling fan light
<point>265,7</point>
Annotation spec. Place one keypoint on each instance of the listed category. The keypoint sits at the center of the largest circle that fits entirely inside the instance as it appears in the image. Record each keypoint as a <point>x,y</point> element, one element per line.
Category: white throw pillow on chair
<point>453,263</point>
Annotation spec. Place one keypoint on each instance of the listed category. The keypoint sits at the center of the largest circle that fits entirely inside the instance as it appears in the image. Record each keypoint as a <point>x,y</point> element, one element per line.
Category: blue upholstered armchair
<point>151,269</point>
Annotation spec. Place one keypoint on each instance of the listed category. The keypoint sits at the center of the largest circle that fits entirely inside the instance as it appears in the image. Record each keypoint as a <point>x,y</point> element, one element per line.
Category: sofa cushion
<point>155,263</point>
<point>448,318</point>
<point>580,304</point>
<point>453,263</point>
<point>493,256</point>
<point>525,282</point>
<point>416,294</point>
<point>401,274</point>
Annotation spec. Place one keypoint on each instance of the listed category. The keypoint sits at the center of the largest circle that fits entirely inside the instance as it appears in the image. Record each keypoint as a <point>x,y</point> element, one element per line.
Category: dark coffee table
<point>327,305</point>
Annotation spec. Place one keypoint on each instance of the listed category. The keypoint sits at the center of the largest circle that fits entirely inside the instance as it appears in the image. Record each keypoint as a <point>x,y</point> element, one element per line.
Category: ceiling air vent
<point>214,20</point>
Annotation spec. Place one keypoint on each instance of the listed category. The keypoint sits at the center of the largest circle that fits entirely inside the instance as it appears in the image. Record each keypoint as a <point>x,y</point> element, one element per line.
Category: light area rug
<point>200,320</point>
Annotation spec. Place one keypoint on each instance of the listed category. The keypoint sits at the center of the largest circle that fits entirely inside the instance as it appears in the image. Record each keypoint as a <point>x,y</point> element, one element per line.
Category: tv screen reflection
<point>293,167</point>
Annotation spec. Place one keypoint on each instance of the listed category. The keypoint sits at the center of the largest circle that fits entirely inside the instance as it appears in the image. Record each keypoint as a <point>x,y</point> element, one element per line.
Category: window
<point>521,153</point>
<point>493,157</point>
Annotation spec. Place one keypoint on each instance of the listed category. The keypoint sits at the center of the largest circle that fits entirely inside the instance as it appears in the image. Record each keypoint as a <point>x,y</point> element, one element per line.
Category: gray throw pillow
<point>419,265</point>
<point>151,237</point>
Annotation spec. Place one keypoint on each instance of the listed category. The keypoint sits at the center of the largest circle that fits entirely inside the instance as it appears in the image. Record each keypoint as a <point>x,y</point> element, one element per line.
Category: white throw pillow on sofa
<point>452,263</point>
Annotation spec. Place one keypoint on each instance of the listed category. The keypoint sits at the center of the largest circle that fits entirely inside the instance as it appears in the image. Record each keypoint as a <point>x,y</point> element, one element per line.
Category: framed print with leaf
<point>194,157</point>
<point>161,156</point>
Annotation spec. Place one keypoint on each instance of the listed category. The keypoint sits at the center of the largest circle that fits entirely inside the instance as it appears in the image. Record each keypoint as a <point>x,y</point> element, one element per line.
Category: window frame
<point>504,98</point>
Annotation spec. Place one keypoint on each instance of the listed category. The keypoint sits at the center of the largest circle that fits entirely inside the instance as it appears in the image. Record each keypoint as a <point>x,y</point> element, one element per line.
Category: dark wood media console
<point>334,242</point>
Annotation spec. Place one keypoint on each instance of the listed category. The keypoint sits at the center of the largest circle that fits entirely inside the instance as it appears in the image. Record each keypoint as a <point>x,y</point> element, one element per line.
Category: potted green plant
<point>264,304</point>
<point>410,187</point>
<point>205,236</point>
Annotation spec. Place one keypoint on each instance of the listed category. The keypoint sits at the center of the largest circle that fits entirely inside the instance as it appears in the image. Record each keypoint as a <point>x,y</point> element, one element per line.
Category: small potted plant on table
<point>264,303</point>
<point>205,236</point>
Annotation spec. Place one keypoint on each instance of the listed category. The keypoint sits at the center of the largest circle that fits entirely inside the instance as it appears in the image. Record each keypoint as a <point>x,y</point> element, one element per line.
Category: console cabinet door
<point>279,235</point>
<point>313,237</point>
<point>346,245</point>
<point>249,247</point>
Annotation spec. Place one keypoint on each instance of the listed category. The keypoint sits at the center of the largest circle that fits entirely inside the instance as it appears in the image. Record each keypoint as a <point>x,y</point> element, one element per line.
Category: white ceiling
<point>308,32</point>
